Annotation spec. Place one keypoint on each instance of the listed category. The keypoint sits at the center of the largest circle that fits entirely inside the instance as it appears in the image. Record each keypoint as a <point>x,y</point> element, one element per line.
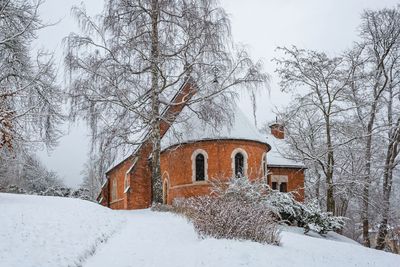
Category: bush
<point>322,222</point>
<point>235,211</point>
<point>13,189</point>
<point>307,215</point>
<point>220,217</point>
<point>241,209</point>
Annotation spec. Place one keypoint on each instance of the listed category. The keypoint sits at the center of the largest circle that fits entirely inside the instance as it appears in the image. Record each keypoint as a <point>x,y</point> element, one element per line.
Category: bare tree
<point>380,32</point>
<point>322,80</point>
<point>134,57</point>
<point>392,97</point>
<point>29,97</point>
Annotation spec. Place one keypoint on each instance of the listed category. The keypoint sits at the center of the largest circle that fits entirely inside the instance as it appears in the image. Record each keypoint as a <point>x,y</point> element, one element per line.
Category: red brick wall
<point>177,163</point>
<point>295,180</point>
<point>176,166</point>
<point>139,194</point>
<point>118,174</point>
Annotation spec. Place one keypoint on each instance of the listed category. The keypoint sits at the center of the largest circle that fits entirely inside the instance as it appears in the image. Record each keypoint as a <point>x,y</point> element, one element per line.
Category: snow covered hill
<point>51,231</point>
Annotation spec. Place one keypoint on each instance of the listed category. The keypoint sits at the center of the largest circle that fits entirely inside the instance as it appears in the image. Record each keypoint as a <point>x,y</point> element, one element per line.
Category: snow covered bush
<point>315,219</point>
<point>59,191</point>
<point>234,211</point>
<point>307,215</point>
<point>230,218</point>
<point>13,189</point>
<point>244,209</point>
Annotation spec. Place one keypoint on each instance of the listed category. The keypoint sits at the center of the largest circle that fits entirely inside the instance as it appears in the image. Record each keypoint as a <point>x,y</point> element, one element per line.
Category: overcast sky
<point>262,25</point>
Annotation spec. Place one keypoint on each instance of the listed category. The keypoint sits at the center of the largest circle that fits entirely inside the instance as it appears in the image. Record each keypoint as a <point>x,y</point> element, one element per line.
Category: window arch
<point>239,162</point>
<point>199,165</point>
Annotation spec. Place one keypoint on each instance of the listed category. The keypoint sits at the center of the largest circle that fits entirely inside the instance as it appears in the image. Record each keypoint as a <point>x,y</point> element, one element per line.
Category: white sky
<point>262,25</point>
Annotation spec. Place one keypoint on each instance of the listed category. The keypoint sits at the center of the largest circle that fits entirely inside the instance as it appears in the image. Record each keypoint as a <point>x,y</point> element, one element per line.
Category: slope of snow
<point>51,231</point>
<point>48,231</point>
<point>162,239</point>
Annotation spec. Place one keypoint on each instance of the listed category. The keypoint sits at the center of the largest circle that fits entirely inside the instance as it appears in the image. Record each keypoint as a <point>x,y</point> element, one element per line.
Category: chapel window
<point>239,164</point>
<point>200,167</point>
<point>283,187</point>
<point>279,182</point>
<point>274,185</point>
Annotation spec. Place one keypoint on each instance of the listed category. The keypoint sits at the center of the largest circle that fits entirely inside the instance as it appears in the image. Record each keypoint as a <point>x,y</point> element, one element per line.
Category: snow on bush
<point>235,211</point>
<point>231,219</point>
<point>307,215</point>
<point>322,222</point>
<point>244,209</point>
<point>55,191</point>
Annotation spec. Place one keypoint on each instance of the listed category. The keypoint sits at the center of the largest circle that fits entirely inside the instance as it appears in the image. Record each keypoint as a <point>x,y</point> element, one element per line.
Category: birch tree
<point>133,57</point>
<point>29,96</point>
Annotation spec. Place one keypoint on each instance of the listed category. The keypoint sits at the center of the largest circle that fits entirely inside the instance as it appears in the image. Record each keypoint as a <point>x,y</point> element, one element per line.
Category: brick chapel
<point>194,152</point>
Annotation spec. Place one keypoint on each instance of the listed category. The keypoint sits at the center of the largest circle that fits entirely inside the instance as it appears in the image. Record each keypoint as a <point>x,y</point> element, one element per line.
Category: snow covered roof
<point>190,128</point>
<point>276,157</point>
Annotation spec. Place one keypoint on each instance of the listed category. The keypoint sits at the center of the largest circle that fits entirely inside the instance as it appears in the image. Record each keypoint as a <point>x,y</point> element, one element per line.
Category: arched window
<point>200,174</point>
<point>239,164</point>
<point>199,165</point>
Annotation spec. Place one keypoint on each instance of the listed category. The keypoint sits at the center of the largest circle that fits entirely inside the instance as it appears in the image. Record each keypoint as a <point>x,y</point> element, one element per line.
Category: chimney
<point>277,129</point>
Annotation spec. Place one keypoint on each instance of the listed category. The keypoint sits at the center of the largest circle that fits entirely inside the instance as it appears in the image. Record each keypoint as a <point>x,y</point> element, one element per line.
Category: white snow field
<point>49,231</point>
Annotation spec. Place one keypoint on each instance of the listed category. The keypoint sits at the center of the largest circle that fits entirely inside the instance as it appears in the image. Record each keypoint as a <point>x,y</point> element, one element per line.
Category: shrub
<point>235,211</point>
<point>13,189</point>
<point>220,217</point>
<point>307,215</point>
<point>322,222</point>
<point>243,209</point>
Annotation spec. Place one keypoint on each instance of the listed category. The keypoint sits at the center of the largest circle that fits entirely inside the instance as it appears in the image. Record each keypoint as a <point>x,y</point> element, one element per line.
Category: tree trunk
<point>387,188</point>
<point>365,193</point>
<point>156,183</point>
<point>391,156</point>
<point>330,197</point>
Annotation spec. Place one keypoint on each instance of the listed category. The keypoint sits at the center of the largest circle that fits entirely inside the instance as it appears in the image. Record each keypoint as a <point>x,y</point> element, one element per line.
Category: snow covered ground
<point>50,231</point>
